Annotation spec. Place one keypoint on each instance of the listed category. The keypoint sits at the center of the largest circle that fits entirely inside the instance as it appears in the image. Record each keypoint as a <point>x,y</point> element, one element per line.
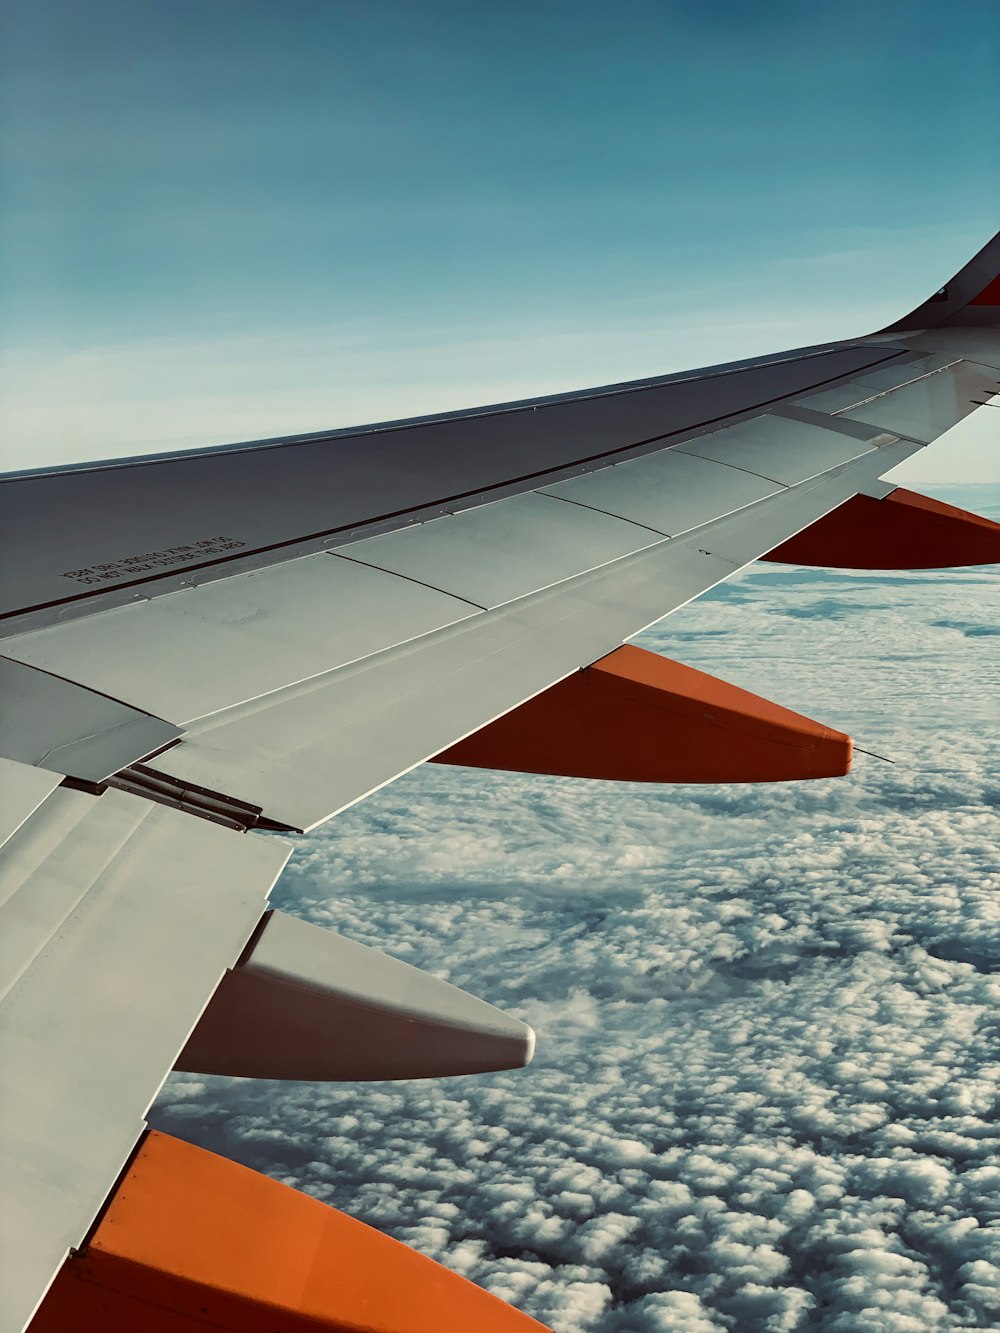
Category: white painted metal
<point>22,790</point>
<point>67,729</point>
<point>163,903</point>
<point>39,838</point>
<point>670,492</point>
<point>927,407</point>
<point>880,379</point>
<point>777,448</point>
<point>980,345</point>
<point>191,653</point>
<point>314,749</point>
<point>48,869</point>
<point>309,1004</point>
<point>501,551</point>
<point>878,489</point>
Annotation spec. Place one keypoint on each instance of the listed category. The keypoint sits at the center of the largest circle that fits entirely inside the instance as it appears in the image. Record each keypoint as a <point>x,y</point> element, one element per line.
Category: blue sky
<point>238,218</point>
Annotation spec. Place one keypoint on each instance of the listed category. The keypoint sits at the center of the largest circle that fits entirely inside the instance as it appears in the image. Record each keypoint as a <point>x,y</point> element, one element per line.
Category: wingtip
<point>971,297</point>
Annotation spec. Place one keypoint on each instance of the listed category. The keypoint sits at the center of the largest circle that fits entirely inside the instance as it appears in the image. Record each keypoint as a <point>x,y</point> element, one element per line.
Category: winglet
<point>971,298</point>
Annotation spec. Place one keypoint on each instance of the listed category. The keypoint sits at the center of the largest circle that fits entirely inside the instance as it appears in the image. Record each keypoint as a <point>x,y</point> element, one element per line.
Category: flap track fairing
<point>902,531</point>
<point>305,1003</point>
<point>637,717</point>
<point>190,1240</point>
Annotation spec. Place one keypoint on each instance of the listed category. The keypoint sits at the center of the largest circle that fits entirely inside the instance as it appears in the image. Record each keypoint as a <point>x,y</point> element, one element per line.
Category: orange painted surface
<point>193,1241</point>
<point>903,531</point>
<point>989,295</point>
<point>636,716</point>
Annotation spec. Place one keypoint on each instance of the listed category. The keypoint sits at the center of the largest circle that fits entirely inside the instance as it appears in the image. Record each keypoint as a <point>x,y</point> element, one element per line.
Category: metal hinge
<point>214,806</point>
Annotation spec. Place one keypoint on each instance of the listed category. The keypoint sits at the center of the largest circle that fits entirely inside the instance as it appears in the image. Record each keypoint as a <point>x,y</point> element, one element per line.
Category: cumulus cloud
<point>764,1096</point>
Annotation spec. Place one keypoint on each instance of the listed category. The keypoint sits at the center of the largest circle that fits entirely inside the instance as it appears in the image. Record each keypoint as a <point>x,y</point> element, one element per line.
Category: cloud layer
<point>765,1089</point>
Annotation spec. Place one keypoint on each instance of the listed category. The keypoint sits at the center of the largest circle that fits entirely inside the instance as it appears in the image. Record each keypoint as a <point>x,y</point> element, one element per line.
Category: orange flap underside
<point>636,716</point>
<point>903,531</point>
<point>192,1240</point>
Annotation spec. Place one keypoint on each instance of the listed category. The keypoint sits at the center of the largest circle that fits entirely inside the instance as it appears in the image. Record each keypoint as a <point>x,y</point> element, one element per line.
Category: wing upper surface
<point>303,685</point>
<point>118,919</point>
<point>116,528</point>
<point>306,752</point>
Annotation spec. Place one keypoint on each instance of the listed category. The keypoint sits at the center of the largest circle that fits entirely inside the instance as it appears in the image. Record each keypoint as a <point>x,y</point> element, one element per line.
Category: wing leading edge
<point>255,637</point>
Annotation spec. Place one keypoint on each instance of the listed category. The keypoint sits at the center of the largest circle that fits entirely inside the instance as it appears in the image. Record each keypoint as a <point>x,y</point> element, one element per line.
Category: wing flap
<point>124,918</point>
<point>23,788</point>
<point>70,729</point>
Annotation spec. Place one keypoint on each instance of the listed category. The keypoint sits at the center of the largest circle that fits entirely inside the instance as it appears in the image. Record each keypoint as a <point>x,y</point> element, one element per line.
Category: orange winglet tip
<point>903,531</point>
<point>635,716</point>
<point>191,1240</point>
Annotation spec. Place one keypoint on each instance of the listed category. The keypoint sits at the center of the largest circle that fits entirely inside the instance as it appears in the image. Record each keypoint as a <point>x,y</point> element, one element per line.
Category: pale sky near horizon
<point>235,220</point>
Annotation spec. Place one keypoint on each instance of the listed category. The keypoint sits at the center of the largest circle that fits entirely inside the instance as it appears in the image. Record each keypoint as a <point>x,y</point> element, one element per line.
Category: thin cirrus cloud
<point>763,1093</point>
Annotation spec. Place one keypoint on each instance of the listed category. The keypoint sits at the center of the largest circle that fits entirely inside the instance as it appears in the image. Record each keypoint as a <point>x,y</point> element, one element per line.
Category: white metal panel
<point>879,379</point>
<point>67,729</point>
<point>929,406</point>
<point>317,748</point>
<point>503,550</point>
<point>39,837</point>
<point>191,653</point>
<point>670,492</point>
<point>783,450</point>
<point>49,867</point>
<point>878,489</point>
<point>97,1019</point>
<point>309,1004</point>
<point>975,344</point>
<point>22,790</point>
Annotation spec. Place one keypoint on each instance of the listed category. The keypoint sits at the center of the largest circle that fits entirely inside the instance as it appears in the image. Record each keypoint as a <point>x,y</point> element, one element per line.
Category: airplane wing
<point>206,653</point>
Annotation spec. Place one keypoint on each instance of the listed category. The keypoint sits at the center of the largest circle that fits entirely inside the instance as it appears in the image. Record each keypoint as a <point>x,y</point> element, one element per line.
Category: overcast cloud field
<point>765,1090</point>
